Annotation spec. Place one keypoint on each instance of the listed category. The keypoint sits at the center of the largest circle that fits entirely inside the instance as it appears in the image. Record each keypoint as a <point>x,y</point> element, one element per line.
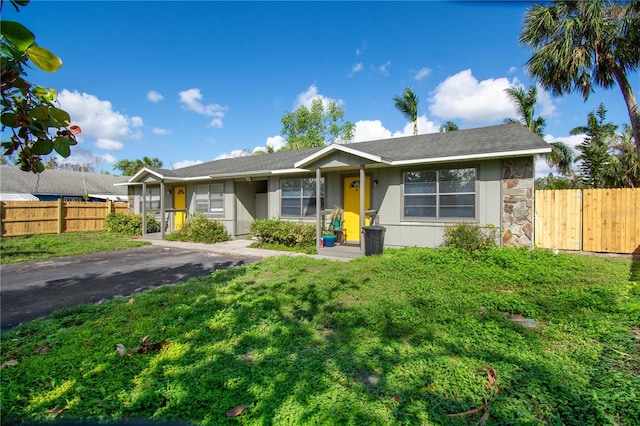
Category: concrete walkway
<point>240,247</point>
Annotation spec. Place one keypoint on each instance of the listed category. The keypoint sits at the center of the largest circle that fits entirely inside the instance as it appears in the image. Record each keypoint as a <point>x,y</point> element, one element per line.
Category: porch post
<point>162,209</point>
<point>144,209</point>
<point>318,208</point>
<point>362,207</point>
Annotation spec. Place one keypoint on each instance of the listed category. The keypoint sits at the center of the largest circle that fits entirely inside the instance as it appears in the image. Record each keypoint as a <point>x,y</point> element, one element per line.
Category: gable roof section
<point>59,182</point>
<point>501,141</point>
<point>506,140</point>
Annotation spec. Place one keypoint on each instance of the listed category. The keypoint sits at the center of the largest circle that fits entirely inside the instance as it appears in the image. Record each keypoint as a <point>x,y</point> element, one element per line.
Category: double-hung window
<point>210,198</point>
<point>152,198</point>
<point>440,194</point>
<point>298,197</point>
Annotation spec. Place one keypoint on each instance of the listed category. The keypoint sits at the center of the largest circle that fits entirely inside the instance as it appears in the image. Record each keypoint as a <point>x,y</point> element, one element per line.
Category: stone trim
<point>517,202</point>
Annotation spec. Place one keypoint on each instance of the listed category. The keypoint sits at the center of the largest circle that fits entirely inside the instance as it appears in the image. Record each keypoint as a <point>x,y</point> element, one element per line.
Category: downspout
<point>362,207</point>
<point>162,209</point>
<point>144,209</point>
<point>318,207</point>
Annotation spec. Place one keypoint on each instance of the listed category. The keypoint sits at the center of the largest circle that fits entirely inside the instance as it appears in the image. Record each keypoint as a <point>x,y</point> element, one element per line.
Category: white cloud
<point>422,73</point>
<point>154,96</point>
<point>109,144</point>
<point>545,101</point>
<point>463,96</point>
<point>236,153</point>
<point>185,163</point>
<point>368,130</point>
<point>98,120</point>
<point>85,157</point>
<point>512,70</point>
<point>276,142</point>
<point>192,100</point>
<point>542,168</point>
<point>306,98</point>
<point>159,131</point>
<point>356,69</point>
<point>384,68</point>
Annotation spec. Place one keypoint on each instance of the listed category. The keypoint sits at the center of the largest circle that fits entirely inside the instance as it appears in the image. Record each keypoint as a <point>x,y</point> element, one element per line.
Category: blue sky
<point>191,82</point>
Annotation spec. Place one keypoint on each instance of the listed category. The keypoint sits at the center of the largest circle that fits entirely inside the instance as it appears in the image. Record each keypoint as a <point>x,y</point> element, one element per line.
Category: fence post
<point>109,206</point>
<point>60,216</point>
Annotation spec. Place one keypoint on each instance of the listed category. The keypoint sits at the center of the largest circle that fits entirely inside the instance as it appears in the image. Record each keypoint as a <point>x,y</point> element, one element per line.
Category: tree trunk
<point>632,105</point>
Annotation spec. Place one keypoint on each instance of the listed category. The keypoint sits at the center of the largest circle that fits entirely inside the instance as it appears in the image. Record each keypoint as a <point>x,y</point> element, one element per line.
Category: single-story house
<point>414,186</point>
<point>52,184</point>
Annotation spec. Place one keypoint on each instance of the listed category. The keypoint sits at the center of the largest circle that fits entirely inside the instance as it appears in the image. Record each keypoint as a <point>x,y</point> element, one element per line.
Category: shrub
<point>199,229</point>
<point>468,237</point>
<point>130,224</point>
<point>280,232</point>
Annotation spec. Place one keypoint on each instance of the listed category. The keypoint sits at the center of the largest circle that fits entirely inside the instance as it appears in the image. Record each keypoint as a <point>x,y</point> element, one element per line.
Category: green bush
<point>280,232</point>
<point>130,224</point>
<point>199,229</point>
<point>468,237</point>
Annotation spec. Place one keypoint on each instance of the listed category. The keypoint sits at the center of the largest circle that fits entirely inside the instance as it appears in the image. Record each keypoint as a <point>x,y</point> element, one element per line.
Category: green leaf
<point>40,113</point>
<point>45,94</point>
<point>61,116</point>
<point>43,58</point>
<point>9,119</point>
<point>42,147</point>
<point>61,145</point>
<point>17,34</point>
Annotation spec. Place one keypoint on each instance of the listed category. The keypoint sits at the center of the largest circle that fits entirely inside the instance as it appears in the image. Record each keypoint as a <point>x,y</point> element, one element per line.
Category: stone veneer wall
<point>517,202</point>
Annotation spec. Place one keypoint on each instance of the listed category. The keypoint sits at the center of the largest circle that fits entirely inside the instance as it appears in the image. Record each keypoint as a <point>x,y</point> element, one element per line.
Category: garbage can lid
<point>374,228</point>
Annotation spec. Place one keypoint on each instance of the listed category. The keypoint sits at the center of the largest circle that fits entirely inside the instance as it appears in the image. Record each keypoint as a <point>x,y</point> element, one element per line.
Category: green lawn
<point>45,246</point>
<point>412,337</point>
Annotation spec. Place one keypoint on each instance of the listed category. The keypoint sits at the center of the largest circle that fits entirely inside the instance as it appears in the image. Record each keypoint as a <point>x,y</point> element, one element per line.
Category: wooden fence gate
<point>596,220</point>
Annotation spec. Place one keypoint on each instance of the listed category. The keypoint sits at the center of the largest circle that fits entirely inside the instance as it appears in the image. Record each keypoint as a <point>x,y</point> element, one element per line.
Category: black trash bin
<point>373,239</point>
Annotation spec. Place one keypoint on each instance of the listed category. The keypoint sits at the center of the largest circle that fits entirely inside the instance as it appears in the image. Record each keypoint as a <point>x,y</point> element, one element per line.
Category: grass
<point>45,246</point>
<point>412,337</point>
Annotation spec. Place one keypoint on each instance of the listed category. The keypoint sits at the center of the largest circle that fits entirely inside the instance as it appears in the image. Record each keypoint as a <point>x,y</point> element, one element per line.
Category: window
<point>152,198</point>
<point>440,194</point>
<point>210,198</point>
<point>298,197</point>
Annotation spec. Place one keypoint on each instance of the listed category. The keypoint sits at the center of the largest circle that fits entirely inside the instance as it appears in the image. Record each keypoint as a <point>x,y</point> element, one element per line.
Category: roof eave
<point>485,156</point>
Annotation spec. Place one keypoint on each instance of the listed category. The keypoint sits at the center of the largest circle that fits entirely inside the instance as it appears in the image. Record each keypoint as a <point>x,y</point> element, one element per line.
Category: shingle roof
<point>59,182</point>
<point>497,141</point>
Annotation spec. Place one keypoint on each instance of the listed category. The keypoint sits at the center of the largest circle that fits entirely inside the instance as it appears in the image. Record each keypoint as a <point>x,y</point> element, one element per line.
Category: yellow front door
<point>180,203</point>
<point>351,223</point>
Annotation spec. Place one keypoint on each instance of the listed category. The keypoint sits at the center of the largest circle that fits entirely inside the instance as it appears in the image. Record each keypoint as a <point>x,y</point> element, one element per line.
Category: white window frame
<point>151,199</point>
<point>209,198</point>
<point>304,198</point>
<point>437,188</point>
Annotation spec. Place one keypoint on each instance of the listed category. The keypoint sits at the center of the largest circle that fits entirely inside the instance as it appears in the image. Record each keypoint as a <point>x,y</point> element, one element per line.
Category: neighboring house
<point>51,185</point>
<point>414,186</point>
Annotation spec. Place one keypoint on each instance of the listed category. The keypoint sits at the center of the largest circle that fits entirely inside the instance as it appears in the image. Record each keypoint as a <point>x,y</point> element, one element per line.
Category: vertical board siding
<point>611,224</point>
<point>558,221</point>
<point>51,217</point>
<point>595,220</point>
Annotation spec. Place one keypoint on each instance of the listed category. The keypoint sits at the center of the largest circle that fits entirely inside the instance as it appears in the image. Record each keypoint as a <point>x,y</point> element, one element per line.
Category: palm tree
<point>525,103</point>
<point>407,104</point>
<point>560,157</point>
<point>449,126</point>
<point>581,44</point>
<point>595,148</point>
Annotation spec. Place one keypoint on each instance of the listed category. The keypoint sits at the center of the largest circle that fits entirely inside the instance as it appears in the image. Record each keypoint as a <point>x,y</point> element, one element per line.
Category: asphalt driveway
<point>34,289</point>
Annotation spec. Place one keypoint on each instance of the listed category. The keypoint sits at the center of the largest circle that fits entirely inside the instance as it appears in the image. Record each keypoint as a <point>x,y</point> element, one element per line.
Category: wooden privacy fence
<point>55,217</point>
<point>596,220</point>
